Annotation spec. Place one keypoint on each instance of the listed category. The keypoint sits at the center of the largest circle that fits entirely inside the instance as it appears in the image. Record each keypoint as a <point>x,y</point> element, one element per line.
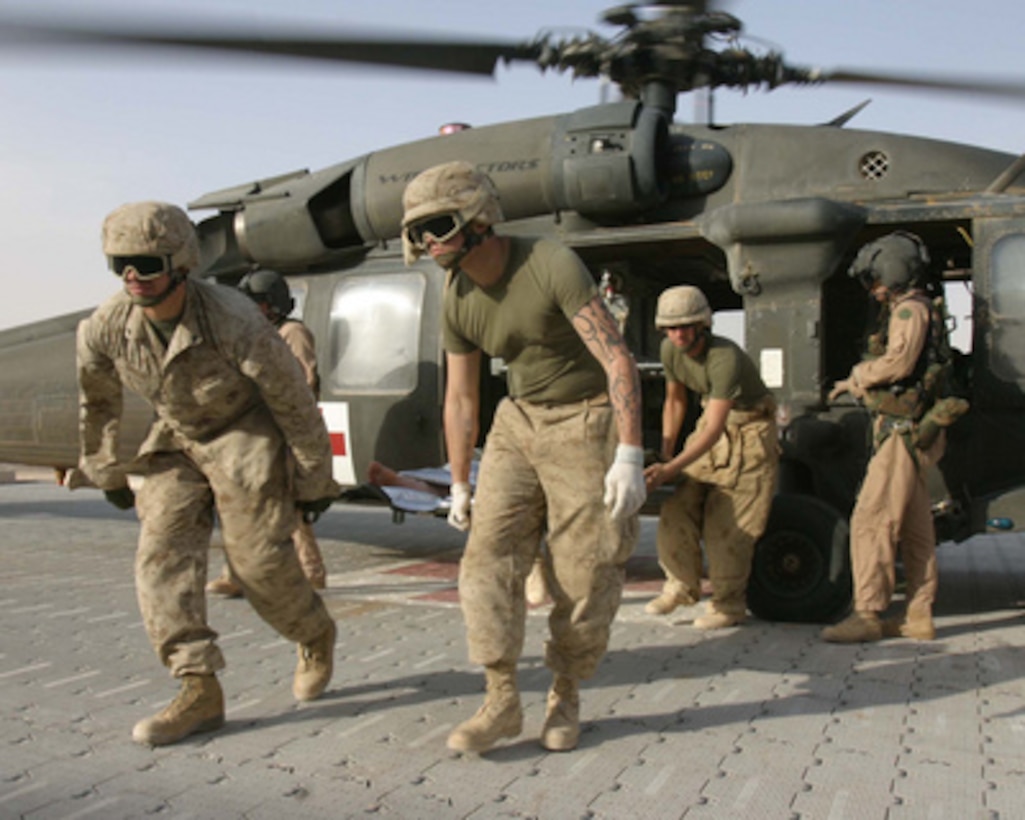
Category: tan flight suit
<point>543,468</point>
<point>236,430</point>
<point>724,498</point>
<point>893,506</point>
<point>300,341</point>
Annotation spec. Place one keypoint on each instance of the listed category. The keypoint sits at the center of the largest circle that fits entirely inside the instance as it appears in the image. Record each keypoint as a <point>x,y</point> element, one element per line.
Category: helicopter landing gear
<point>801,569</point>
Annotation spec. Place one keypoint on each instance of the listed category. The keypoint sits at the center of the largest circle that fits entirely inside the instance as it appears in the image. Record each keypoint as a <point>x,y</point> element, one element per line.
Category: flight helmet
<point>898,261</point>
<point>268,287</point>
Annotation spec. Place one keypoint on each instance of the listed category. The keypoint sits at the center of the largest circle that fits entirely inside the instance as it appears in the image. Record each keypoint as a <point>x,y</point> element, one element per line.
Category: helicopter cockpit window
<point>375,333</point>
<point>1007,305</point>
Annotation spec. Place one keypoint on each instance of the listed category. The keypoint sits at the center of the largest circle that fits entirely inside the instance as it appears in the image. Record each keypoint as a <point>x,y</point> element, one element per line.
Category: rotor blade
<point>457,56</point>
<point>1014,89</point>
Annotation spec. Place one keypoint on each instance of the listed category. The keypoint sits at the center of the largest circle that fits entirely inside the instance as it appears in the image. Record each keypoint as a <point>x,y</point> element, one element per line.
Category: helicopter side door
<point>380,361</point>
<point>985,448</point>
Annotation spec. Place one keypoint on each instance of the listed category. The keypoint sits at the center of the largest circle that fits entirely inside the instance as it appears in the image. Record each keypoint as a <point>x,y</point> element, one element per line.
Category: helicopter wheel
<point>801,569</point>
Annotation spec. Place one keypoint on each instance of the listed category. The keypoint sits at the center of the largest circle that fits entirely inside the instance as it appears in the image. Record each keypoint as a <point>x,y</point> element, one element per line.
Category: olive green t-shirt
<point>526,320</point>
<point>723,371</point>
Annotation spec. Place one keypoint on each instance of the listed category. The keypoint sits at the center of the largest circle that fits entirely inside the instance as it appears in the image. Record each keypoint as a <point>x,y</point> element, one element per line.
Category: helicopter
<point>764,218</point>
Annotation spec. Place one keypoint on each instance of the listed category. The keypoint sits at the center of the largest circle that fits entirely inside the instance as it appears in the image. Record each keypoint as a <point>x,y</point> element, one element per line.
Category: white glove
<point>624,482</point>
<point>459,512</point>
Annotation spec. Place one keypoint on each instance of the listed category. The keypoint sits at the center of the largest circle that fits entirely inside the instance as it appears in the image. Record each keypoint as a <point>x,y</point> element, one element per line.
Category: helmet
<point>452,187</point>
<point>152,229</point>
<point>268,287</point>
<point>897,261</point>
<point>682,305</point>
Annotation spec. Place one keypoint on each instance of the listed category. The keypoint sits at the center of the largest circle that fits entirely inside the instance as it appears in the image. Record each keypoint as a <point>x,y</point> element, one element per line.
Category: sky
<point>81,134</point>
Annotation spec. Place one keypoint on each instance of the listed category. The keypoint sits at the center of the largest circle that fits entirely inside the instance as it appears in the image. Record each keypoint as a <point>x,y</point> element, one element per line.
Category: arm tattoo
<point>600,333</point>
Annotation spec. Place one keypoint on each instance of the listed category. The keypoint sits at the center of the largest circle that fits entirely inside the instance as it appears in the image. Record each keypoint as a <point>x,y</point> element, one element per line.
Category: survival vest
<point>911,397</point>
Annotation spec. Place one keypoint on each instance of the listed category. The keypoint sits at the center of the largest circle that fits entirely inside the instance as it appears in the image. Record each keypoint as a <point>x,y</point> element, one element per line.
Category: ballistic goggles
<point>440,228</point>
<point>682,326</point>
<point>145,267</point>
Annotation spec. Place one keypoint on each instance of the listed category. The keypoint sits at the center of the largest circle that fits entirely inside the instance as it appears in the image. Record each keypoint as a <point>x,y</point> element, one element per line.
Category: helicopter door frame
<point>998,343</point>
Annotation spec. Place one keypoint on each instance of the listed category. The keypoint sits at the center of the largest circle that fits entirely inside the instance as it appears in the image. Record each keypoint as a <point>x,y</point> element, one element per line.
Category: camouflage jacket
<point>226,391</point>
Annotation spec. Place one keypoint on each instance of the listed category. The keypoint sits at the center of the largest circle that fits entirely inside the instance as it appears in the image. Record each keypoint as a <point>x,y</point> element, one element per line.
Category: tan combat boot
<point>916,623</point>
<point>858,627</point>
<point>667,602</point>
<point>198,707</point>
<point>500,716</point>
<point>225,586</point>
<point>919,629</point>
<point>561,730</point>
<point>316,663</point>
<point>715,618</point>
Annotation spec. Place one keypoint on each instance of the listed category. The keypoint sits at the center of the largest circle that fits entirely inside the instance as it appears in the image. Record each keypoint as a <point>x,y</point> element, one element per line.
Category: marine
<point>562,461</point>
<point>236,431</point>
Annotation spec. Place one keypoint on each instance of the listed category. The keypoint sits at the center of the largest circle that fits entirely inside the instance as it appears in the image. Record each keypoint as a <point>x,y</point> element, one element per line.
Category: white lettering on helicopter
<point>336,418</point>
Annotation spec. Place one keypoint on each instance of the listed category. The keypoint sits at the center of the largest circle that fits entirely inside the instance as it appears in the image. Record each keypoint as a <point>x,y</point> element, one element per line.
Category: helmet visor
<point>440,228</point>
<point>145,267</point>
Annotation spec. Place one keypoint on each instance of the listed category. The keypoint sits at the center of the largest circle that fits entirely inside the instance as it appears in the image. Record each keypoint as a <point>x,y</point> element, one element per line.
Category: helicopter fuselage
<point>764,218</point>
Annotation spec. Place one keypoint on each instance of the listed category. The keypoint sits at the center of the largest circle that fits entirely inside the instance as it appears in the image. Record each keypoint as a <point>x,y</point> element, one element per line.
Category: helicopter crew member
<point>236,430</point>
<point>729,463</point>
<point>270,292</point>
<point>563,458</point>
<point>898,381</point>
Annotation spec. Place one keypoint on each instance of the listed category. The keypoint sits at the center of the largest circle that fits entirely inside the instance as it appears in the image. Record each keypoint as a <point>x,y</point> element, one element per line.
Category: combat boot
<point>667,602</point>
<point>316,663</point>
<point>198,707</point>
<point>225,586</point>
<point>916,623</point>
<point>716,618</point>
<point>561,730</point>
<point>858,627</point>
<point>500,716</point>
<point>919,629</point>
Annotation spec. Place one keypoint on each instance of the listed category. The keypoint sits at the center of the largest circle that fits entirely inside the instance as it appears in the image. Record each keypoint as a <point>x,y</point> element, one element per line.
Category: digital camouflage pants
<point>542,475</point>
<point>176,506</point>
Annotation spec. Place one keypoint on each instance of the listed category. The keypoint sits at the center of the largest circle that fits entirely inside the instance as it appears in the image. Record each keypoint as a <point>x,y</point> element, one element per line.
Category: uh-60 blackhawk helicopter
<point>764,218</point>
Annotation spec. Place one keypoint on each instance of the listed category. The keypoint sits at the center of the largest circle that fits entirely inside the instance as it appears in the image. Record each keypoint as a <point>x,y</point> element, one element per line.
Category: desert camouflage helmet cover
<point>452,187</point>
<point>682,305</point>
<point>898,260</point>
<point>151,229</point>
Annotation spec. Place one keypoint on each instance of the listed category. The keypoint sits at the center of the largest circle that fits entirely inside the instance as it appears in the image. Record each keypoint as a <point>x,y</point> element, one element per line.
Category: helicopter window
<point>730,323</point>
<point>375,333</point>
<point>298,291</point>
<point>1008,301</point>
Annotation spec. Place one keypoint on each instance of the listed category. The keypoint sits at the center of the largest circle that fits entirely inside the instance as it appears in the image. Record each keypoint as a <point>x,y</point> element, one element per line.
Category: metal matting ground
<point>760,721</point>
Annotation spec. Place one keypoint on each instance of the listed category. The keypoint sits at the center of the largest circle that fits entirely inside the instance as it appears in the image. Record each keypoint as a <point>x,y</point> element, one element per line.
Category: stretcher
<point>402,500</point>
